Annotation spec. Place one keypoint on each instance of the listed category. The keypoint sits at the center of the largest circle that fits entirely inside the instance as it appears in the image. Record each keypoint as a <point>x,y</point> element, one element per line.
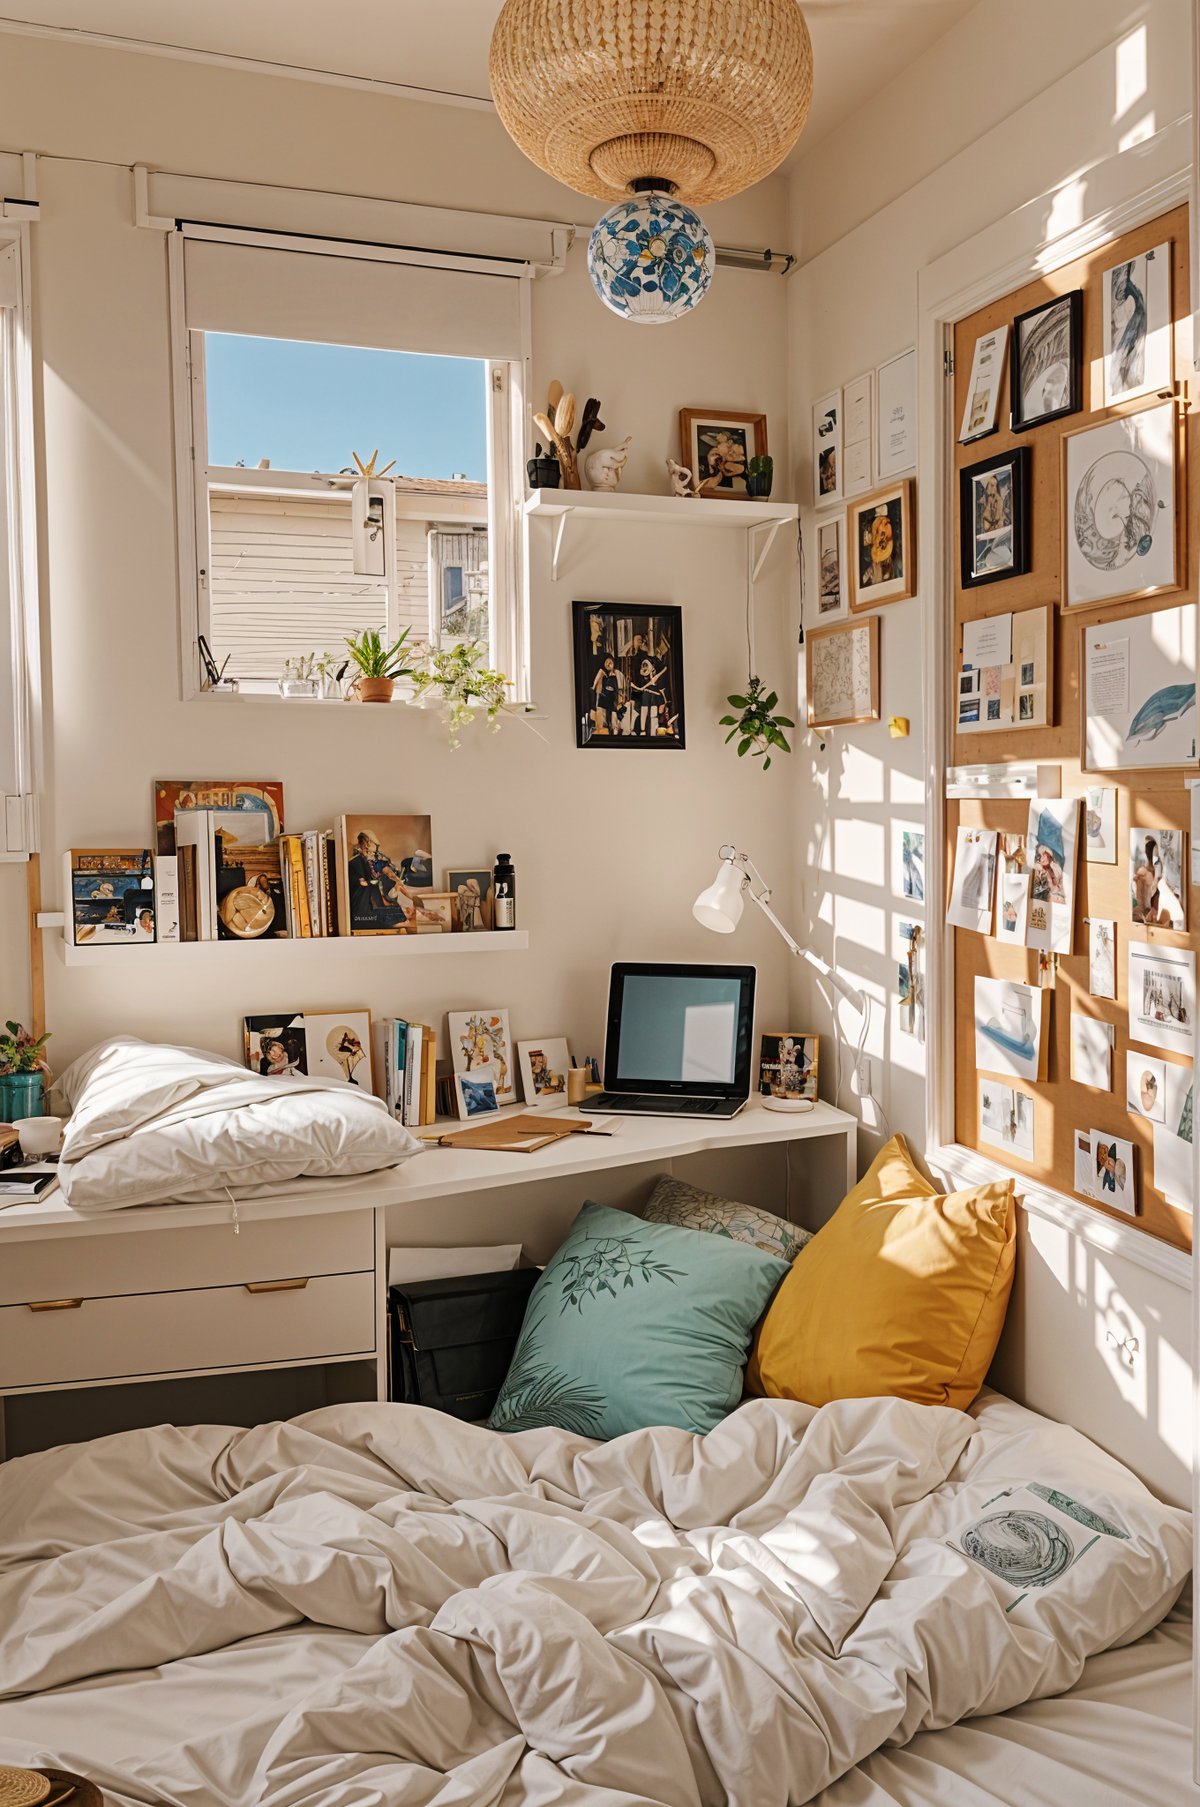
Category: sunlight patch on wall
<point>859,849</point>
<point>906,788</point>
<point>862,776</point>
<point>859,927</point>
<point>1174,1399</point>
<point>1132,71</point>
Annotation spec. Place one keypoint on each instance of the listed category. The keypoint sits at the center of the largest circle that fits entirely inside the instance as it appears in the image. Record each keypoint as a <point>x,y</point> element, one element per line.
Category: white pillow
<point>162,1125</point>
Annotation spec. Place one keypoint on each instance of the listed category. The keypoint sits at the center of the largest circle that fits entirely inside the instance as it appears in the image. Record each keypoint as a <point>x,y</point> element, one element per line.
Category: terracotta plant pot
<point>376,690</point>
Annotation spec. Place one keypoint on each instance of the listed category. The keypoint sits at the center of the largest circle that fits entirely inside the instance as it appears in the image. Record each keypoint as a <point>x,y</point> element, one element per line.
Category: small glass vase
<point>293,687</point>
<point>22,1095</point>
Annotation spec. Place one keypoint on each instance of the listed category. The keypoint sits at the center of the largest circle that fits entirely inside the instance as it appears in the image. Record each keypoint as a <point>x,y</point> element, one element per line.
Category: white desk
<point>170,1291</point>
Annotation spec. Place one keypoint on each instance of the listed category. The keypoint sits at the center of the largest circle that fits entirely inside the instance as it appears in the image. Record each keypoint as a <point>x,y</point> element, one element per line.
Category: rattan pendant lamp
<point>653,104</point>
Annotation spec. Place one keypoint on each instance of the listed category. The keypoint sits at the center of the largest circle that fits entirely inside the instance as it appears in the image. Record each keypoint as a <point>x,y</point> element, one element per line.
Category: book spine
<point>412,1075</point>
<point>399,1042</point>
<point>185,860</point>
<point>166,897</point>
<point>300,910</point>
<point>342,877</point>
<point>428,1077</point>
<point>312,884</point>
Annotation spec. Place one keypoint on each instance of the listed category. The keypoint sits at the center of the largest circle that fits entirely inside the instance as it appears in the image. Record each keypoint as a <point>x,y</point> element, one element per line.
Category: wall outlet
<point>860,1083</point>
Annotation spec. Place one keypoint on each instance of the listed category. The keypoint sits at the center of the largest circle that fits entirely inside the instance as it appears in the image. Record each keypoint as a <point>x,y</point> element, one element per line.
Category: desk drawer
<point>208,1329</point>
<point>141,1261</point>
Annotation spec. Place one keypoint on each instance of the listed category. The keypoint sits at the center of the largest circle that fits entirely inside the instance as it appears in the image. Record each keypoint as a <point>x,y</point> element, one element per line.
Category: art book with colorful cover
<point>328,1045</point>
<point>111,891</point>
<point>171,795</point>
<point>384,864</point>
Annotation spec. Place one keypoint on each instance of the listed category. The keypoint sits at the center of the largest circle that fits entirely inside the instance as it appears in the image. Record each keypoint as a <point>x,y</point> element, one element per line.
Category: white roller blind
<point>340,300</point>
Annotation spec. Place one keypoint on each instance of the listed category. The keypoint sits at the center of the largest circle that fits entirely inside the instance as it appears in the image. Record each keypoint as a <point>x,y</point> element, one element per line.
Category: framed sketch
<point>1138,335</point>
<point>544,1065</point>
<point>983,391</point>
<point>1047,362</point>
<point>896,417</point>
<point>827,449</point>
<point>858,434</point>
<point>881,547</point>
<point>843,674</point>
<point>628,675</point>
<point>993,517</point>
<point>1122,524</point>
<point>1138,678</point>
<point>717,444</point>
<point>831,570</point>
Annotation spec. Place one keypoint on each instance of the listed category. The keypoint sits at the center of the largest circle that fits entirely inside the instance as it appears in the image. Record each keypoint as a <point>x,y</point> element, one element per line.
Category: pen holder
<point>577,1084</point>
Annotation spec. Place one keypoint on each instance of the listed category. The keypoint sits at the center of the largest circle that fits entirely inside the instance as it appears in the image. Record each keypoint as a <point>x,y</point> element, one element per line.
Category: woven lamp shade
<point>706,95</point>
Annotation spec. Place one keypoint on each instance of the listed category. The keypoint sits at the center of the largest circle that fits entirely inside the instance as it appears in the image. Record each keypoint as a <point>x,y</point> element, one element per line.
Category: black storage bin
<point>453,1339</point>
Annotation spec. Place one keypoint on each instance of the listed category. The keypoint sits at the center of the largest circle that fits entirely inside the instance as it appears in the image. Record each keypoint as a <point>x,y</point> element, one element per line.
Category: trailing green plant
<point>21,1052</point>
<point>757,728</point>
<point>375,660</point>
<point>465,685</point>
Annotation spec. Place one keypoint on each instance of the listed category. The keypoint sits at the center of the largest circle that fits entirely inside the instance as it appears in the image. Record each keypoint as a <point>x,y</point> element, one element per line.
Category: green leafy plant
<point>303,668</point>
<point>21,1052</point>
<point>459,678</point>
<point>760,474</point>
<point>375,660</point>
<point>757,728</point>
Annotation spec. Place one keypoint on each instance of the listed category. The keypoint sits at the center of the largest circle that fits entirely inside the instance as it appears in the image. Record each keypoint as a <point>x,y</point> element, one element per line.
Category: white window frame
<point>506,387</point>
<point>21,685</point>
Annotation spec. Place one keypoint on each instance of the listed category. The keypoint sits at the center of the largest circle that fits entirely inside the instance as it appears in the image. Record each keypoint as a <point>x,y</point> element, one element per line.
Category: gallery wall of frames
<point>1075,913</point>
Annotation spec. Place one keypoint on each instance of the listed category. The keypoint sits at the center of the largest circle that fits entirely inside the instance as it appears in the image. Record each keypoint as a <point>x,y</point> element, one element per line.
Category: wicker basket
<point>22,1787</point>
<point>705,96</point>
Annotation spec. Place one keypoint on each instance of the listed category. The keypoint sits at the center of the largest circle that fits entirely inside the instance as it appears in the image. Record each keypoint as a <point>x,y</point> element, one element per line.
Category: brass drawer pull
<point>55,1304</point>
<point>276,1286</point>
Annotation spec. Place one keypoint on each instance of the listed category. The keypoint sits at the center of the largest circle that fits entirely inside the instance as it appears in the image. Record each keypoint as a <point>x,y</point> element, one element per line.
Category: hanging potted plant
<point>457,678</point>
<point>757,729</point>
<point>24,1071</point>
<point>379,666</point>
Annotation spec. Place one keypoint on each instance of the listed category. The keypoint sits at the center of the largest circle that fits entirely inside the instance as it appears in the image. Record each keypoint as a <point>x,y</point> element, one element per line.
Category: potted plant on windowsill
<point>457,678</point>
<point>379,667</point>
<point>24,1071</point>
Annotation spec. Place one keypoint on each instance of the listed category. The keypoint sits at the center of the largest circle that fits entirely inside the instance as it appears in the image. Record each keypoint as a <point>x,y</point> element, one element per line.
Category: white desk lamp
<point>720,909</point>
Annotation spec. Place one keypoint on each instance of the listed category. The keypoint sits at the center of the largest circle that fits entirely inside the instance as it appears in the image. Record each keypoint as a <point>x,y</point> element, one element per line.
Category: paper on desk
<point>406,1265</point>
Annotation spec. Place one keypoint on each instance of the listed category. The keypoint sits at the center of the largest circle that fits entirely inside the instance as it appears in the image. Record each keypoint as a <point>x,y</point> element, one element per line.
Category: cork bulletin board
<point>1147,798</point>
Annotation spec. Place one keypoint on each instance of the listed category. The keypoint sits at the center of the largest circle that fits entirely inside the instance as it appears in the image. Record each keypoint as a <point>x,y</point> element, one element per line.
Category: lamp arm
<point>762,898</point>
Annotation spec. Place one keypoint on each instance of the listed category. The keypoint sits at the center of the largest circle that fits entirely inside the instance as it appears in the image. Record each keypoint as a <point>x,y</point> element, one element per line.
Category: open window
<point>295,368</point>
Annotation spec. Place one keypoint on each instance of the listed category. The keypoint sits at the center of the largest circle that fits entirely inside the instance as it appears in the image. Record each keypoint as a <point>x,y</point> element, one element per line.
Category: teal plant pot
<point>22,1095</point>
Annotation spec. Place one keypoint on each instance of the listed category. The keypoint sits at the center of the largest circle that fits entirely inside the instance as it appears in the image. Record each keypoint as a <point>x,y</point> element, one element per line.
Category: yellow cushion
<point>902,1293</point>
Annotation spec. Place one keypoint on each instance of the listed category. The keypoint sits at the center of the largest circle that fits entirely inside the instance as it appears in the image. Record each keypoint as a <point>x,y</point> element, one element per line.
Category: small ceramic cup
<point>40,1136</point>
<point>577,1083</point>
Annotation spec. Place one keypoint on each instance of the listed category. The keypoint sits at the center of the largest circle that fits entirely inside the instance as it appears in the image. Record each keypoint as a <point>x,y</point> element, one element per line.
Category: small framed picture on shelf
<point>843,673</point>
<point>475,1093</point>
<point>881,547</point>
<point>628,675</point>
<point>544,1065</point>
<point>471,889</point>
<point>433,913</point>
<point>1139,351</point>
<point>788,1064</point>
<point>717,445</point>
<point>993,518</point>
<point>1122,521</point>
<point>1047,362</point>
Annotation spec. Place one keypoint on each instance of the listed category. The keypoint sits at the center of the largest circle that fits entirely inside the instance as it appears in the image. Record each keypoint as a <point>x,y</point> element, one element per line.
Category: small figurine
<point>604,468</point>
<point>682,481</point>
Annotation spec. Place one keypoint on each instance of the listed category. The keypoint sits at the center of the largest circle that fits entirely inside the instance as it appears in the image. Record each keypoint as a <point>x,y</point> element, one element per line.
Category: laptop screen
<point>683,1029</point>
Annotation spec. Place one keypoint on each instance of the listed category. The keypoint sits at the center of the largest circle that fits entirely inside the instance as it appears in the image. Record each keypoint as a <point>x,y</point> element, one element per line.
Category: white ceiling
<point>442,45</point>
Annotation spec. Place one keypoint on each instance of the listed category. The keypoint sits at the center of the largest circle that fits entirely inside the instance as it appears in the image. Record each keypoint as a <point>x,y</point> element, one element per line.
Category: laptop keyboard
<point>641,1105</point>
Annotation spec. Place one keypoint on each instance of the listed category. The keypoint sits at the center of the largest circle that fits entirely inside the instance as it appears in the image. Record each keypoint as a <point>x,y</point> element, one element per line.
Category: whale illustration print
<point>1165,706</point>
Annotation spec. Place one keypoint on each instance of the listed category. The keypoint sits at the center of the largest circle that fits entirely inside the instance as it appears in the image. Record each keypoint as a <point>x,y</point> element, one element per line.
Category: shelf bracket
<point>771,528</point>
<point>559,532</point>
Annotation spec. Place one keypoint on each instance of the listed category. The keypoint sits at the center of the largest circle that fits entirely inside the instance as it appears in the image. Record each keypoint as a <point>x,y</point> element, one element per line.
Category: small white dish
<point>40,1136</point>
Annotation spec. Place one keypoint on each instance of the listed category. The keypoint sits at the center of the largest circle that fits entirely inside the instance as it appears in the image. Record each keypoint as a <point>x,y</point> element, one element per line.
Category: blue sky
<point>307,407</point>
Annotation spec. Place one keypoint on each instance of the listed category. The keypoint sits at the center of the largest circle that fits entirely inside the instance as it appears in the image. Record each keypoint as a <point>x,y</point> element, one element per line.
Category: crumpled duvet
<point>665,1618</point>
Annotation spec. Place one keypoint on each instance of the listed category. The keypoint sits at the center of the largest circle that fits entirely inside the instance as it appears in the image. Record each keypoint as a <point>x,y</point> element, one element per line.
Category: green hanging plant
<point>757,729</point>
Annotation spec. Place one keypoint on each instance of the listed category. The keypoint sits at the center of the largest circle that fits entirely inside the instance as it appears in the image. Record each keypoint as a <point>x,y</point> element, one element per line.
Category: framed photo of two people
<point>628,674</point>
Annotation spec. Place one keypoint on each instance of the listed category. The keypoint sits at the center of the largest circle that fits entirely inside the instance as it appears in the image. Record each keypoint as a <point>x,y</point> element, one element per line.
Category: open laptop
<point>678,1041</point>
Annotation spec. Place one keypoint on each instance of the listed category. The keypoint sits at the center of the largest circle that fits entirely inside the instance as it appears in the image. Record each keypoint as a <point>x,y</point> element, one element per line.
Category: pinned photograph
<point>1113,1174</point>
<point>1162,997</point>
<point>544,1067</point>
<point>1091,1053</point>
<point>1146,1087</point>
<point>1051,854</point>
<point>910,981</point>
<point>475,1093</point>
<point>1100,825</point>
<point>1006,1119</point>
<point>973,888</point>
<point>1012,916</point>
<point>1102,957</point>
<point>1010,1026</point>
<point>1047,362</point>
<point>912,864</point>
<point>1158,877</point>
<point>1138,335</point>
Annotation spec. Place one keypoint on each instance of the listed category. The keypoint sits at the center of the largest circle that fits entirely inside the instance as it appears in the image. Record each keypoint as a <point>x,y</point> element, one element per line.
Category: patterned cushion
<point>674,1201</point>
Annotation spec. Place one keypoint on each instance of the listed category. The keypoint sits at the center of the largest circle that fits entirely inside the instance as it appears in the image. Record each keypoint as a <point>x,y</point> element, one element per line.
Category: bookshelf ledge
<point>403,947</point>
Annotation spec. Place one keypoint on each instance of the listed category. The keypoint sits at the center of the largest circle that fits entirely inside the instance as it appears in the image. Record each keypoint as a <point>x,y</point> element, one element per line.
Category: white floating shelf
<point>376,947</point>
<point>565,505</point>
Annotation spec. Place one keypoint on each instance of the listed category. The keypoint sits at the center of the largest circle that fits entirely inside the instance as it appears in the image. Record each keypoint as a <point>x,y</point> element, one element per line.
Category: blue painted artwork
<point>1020,1049</point>
<point>651,259</point>
<point>1165,706</point>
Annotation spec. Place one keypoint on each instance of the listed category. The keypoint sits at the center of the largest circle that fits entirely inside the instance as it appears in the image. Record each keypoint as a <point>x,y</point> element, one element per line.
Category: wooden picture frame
<point>1173,636</point>
<point>858,700</point>
<point>993,518</point>
<point>1110,431</point>
<point>1035,357</point>
<point>700,430</point>
<point>871,584</point>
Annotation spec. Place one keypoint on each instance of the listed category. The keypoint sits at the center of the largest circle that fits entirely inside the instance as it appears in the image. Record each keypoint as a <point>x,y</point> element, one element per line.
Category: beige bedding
<point>537,1619</point>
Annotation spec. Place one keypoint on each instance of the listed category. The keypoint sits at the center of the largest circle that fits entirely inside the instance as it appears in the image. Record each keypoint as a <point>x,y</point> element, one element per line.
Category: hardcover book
<point>173,795</point>
<point>384,865</point>
<point>329,1045</point>
<point>111,891</point>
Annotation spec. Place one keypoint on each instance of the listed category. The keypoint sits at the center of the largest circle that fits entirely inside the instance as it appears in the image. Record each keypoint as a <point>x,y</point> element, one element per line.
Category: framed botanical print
<point>993,518</point>
<point>843,673</point>
<point>717,445</point>
<point>1122,523</point>
<point>881,547</point>
<point>628,674</point>
<point>1047,362</point>
<point>1139,356</point>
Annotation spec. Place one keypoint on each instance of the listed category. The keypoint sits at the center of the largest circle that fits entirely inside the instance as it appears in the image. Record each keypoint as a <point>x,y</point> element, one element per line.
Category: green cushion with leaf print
<point>634,1324</point>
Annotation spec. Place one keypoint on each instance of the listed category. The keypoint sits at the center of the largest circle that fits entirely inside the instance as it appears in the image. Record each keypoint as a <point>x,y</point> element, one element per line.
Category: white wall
<point>610,847</point>
<point>992,116</point>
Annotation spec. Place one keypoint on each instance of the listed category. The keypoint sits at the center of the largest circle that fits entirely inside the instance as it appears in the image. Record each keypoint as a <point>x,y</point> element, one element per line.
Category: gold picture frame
<point>892,575</point>
<point>702,431</point>
<point>1106,430</point>
<point>840,688</point>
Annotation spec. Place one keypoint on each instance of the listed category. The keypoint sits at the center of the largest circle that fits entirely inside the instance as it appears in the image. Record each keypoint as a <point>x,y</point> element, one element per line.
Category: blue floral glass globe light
<point>651,258</point>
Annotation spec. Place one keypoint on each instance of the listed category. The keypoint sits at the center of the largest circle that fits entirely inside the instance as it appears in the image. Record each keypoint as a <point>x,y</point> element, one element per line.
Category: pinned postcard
<point>1052,850</point>
<point>1084,1180</point>
<point>1100,825</point>
<point>1162,997</point>
<point>1012,917</point>
<point>1174,1153</point>
<point>1091,1053</point>
<point>1102,957</point>
<point>1158,877</point>
<point>1146,1087</point>
<point>974,884</point>
<point>1006,1118</point>
<point>1010,1028</point>
<point>1114,1172</point>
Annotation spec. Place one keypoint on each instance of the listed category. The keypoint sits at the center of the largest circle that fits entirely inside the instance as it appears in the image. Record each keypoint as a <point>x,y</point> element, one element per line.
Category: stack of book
<point>406,1070</point>
<point>307,867</point>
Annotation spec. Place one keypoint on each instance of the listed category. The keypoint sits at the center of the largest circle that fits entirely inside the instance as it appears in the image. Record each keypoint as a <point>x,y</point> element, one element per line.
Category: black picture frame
<point>1013,514</point>
<point>1036,335</point>
<point>635,707</point>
